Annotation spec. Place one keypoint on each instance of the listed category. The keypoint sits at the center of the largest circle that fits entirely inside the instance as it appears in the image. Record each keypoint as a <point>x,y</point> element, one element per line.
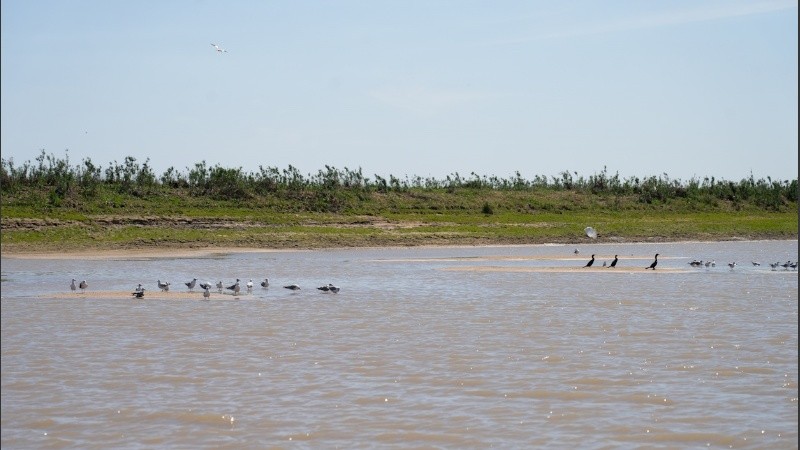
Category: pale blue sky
<point>429,88</point>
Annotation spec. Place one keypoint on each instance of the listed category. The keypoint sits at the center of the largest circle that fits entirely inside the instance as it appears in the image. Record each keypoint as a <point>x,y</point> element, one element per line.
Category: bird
<point>591,261</point>
<point>576,251</point>
<point>604,264</point>
<point>793,265</point>
<point>732,265</point>
<point>190,284</point>
<point>756,263</point>
<point>83,285</point>
<point>334,289</point>
<point>265,283</point>
<point>786,265</point>
<point>163,286</point>
<point>614,262</point>
<point>250,286</point>
<point>293,287</point>
<point>325,288</point>
<point>72,286</point>
<point>138,292</point>
<point>653,265</point>
<point>774,265</point>
<point>708,263</point>
<point>206,285</point>
<point>235,287</point>
<point>713,263</point>
<point>220,50</point>
<point>139,288</point>
<point>219,286</point>
<point>206,292</point>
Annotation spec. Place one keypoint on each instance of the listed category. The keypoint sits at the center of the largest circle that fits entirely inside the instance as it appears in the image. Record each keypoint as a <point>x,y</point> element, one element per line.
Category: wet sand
<point>152,295</point>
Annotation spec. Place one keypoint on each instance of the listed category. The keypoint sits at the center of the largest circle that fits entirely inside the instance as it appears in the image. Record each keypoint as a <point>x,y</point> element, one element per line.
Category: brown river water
<point>457,347</point>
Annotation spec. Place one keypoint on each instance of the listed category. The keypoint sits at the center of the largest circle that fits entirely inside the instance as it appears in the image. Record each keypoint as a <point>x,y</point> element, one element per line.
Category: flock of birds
<point>616,259</point>
<point>786,266</point>
<point>698,263</point>
<point>235,288</point>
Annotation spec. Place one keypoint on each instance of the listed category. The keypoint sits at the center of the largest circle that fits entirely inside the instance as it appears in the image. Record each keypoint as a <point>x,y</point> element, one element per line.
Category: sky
<point>429,88</point>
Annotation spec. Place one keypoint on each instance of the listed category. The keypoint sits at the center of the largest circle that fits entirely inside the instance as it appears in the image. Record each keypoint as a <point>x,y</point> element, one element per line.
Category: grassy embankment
<point>217,207</point>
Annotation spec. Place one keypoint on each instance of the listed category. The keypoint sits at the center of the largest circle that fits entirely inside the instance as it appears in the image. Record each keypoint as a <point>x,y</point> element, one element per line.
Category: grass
<point>37,216</point>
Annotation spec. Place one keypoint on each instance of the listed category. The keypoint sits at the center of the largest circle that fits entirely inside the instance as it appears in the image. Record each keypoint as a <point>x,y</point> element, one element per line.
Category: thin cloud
<point>704,13</point>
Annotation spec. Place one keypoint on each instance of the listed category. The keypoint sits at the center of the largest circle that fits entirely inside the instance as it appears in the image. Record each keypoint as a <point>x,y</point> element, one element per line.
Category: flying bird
<point>220,50</point>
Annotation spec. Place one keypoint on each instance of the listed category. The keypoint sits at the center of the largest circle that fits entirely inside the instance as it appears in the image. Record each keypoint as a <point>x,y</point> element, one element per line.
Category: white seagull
<point>250,286</point>
<point>221,50</point>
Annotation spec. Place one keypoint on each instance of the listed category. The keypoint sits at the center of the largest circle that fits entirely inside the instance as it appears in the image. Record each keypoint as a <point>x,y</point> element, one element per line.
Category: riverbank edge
<point>194,250</point>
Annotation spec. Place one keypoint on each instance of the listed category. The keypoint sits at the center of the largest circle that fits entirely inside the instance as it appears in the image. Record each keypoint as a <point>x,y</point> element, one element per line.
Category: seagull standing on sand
<point>206,292</point>
<point>235,288</point>
<point>72,286</point>
<point>83,285</point>
<point>220,50</point>
<point>219,286</point>
<point>653,265</point>
<point>265,283</point>
<point>614,262</point>
<point>191,284</point>
<point>591,261</point>
<point>250,286</point>
<point>163,286</point>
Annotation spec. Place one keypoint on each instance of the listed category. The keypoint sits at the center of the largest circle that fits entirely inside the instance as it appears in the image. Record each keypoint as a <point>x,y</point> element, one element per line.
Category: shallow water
<point>410,353</point>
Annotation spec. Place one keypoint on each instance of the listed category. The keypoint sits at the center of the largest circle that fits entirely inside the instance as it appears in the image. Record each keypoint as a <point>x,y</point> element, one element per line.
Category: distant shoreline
<point>210,251</point>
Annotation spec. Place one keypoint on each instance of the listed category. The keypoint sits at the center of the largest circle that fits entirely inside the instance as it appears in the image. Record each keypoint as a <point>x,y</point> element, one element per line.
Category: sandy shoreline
<point>150,295</point>
<point>208,252</point>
